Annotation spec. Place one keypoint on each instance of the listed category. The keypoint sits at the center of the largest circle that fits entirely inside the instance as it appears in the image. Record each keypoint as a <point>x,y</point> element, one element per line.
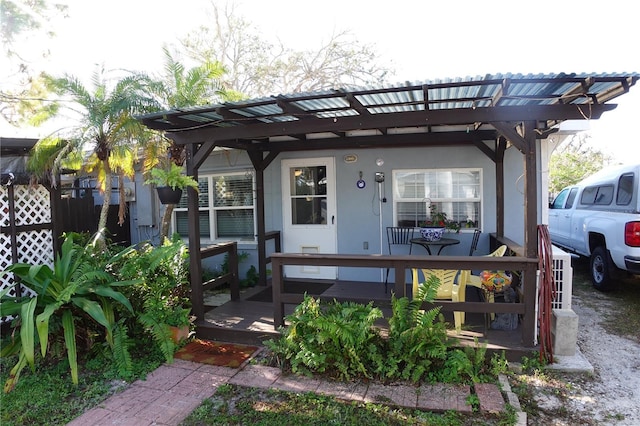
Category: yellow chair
<point>448,290</point>
<point>475,280</point>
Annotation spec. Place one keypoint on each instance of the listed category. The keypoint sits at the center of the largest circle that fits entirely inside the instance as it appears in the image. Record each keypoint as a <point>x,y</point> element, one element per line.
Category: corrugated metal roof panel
<point>442,94</point>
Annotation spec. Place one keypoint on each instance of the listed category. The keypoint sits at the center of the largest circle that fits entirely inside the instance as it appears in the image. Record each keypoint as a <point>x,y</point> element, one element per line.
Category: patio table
<point>442,242</point>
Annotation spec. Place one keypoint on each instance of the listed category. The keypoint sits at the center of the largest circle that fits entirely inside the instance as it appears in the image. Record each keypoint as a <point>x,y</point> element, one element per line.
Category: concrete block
<point>564,330</point>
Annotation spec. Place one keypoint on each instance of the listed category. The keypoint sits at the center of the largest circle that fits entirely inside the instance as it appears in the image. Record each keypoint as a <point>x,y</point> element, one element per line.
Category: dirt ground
<point>609,338</point>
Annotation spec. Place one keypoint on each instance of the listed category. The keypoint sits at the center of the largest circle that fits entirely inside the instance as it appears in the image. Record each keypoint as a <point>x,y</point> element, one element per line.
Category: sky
<point>421,40</point>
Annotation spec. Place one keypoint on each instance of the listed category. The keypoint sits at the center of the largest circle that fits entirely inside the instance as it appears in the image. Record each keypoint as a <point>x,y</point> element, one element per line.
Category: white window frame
<point>212,209</point>
<point>477,198</point>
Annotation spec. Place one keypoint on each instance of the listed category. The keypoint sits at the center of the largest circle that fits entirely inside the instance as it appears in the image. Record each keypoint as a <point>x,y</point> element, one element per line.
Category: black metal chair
<point>474,241</point>
<point>397,236</point>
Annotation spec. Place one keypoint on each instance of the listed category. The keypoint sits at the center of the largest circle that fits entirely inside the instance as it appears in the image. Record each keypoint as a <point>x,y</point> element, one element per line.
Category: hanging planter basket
<point>169,195</point>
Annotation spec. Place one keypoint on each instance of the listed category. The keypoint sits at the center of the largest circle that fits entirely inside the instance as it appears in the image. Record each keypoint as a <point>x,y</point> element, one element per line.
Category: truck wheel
<point>600,267</point>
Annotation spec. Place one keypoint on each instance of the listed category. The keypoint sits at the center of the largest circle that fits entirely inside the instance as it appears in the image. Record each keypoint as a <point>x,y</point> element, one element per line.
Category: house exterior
<point>330,170</point>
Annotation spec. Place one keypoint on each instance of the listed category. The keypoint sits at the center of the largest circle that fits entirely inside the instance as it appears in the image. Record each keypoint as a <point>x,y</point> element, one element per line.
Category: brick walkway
<point>170,393</point>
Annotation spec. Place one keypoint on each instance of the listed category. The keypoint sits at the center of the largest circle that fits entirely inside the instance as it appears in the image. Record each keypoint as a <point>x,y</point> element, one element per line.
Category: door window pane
<point>309,210</point>
<point>308,180</point>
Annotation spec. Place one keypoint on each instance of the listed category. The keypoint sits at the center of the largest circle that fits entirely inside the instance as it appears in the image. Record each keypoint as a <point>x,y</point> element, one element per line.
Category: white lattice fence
<point>32,206</point>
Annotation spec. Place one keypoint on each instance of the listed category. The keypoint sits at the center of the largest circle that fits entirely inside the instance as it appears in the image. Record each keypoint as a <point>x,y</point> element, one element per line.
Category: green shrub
<point>339,338</point>
<point>417,338</point>
<point>74,301</point>
<point>161,299</point>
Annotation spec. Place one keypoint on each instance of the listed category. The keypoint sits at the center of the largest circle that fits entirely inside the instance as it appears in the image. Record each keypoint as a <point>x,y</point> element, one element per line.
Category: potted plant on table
<point>433,228</point>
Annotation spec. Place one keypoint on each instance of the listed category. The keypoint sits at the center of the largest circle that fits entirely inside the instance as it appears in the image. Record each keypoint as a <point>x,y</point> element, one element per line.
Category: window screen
<point>458,193</point>
<point>227,208</point>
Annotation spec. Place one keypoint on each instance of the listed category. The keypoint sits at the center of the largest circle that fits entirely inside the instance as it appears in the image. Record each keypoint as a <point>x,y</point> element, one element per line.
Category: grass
<point>237,405</point>
<point>48,397</point>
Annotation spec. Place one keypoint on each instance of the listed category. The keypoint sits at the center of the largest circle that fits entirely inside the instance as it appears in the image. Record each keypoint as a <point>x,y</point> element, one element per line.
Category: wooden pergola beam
<point>406,119</point>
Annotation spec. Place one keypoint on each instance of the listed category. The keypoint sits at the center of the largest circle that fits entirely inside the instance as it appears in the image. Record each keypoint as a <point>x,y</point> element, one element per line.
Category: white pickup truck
<point>599,218</point>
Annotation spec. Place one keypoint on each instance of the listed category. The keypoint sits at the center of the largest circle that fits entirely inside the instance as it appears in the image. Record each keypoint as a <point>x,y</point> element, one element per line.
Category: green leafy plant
<point>162,297</point>
<point>172,177</point>
<point>499,364</point>
<point>533,364</point>
<point>465,365</point>
<point>474,402</point>
<point>439,218</point>
<point>251,278</point>
<point>417,338</point>
<point>339,338</point>
<point>75,296</point>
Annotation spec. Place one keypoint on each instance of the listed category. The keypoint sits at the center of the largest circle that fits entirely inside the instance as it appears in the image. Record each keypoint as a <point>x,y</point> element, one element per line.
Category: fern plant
<point>161,334</point>
<point>161,299</point>
<point>417,338</point>
<point>339,338</point>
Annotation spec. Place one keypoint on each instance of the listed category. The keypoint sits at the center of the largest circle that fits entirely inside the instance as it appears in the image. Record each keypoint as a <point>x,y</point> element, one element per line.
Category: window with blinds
<point>457,192</point>
<point>226,208</point>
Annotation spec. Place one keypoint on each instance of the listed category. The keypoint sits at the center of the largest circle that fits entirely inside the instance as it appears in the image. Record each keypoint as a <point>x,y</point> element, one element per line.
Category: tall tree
<point>20,17</point>
<point>21,93</point>
<point>574,160</point>
<point>104,130</point>
<point>179,87</point>
<point>258,68</point>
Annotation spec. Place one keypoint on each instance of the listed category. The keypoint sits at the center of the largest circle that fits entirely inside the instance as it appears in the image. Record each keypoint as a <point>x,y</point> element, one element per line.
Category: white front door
<point>309,213</point>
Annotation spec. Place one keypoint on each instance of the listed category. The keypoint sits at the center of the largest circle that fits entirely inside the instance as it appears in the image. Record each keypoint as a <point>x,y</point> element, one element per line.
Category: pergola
<point>487,112</point>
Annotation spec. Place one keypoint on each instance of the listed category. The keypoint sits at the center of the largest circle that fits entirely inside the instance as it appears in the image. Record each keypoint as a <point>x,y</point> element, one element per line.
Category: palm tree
<point>105,132</point>
<point>179,87</point>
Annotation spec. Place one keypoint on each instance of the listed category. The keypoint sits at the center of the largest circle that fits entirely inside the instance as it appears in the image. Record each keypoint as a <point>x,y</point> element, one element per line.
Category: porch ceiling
<point>440,112</point>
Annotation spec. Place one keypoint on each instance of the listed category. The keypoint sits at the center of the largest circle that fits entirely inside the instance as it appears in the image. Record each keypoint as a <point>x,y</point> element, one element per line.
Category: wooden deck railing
<point>277,248</point>
<point>231,277</point>
<point>403,262</point>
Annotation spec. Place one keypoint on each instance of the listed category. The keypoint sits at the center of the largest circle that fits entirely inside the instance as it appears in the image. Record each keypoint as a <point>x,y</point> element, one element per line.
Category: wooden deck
<point>252,322</point>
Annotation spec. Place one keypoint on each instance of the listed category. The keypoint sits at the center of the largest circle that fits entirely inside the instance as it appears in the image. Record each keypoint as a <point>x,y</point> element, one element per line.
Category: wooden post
<point>501,146</point>
<point>530,232</point>
<point>277,288</point>
<point>195,264</point>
